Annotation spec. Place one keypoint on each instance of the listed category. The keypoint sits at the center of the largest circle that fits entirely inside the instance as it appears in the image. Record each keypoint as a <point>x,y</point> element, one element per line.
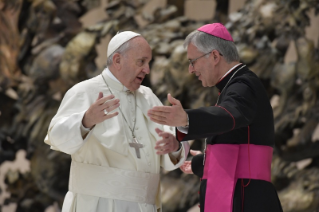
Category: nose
<point>146,69</point>
<point>190,69</point>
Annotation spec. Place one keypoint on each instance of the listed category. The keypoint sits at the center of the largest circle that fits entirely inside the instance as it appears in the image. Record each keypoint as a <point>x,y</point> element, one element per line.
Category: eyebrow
<point>142,58</point>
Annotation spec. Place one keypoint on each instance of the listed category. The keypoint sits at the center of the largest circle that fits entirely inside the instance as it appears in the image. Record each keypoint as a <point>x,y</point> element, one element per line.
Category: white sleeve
<point>170,163</point>
<point>65,133</point>
<point>84,130</point>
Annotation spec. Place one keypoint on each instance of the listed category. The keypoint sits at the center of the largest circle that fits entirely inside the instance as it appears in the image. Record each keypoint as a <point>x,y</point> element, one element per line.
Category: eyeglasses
<point>191,61</point>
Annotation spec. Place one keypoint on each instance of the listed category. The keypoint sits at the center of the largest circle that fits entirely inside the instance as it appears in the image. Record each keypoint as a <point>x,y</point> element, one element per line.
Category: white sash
<point>113,183</point>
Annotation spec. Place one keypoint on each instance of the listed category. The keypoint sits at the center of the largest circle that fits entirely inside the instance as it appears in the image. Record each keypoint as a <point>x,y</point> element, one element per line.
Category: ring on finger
<point>105,112</point>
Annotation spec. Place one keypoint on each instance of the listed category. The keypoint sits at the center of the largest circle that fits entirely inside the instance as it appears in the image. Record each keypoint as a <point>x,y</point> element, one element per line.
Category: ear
<point>216,56</point>
<point>117,61</point>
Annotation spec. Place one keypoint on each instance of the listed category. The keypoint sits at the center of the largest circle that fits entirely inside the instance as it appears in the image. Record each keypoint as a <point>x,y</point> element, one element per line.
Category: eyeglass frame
<point>191,61</point>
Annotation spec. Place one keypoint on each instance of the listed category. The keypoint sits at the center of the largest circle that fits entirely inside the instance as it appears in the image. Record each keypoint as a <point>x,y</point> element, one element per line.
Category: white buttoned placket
<point>145,161</point>
<point>143,138</point>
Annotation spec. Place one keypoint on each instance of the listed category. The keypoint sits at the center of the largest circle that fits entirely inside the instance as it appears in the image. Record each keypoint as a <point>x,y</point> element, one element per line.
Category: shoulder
<point>146,91</point>
<point>247,77</point>
<point>148,95</point>
<point>245,83</point>
<point>85,87</point>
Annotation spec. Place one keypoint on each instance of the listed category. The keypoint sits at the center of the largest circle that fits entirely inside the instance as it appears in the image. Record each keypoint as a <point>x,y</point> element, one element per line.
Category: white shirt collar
<point>109,73</point>
<point>230,71</point>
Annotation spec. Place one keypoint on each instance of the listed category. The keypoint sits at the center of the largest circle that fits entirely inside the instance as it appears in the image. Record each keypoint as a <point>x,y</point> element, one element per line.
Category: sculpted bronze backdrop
<point>44,50</point>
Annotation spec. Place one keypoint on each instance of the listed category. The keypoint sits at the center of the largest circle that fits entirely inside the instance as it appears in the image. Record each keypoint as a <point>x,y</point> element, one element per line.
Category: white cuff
<point>177,154</point>
<point>183,129</point>
<point>84,130</point>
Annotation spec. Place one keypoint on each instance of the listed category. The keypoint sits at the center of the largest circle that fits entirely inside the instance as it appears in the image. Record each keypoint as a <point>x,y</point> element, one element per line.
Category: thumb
<point>172,100</point>
<point>100,95</point>
<point>158,131</point>
<point>193,152</point>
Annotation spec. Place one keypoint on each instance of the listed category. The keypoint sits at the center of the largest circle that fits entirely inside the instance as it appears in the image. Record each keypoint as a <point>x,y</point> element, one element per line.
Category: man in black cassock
<point>239,128</point>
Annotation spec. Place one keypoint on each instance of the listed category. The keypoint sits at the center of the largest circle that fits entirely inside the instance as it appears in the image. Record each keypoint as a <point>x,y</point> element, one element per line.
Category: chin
<point>135,88</point>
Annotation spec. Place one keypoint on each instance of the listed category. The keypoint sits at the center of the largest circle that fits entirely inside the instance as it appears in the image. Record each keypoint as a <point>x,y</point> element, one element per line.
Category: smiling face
<point>205,68</point>
<point>133,65</point>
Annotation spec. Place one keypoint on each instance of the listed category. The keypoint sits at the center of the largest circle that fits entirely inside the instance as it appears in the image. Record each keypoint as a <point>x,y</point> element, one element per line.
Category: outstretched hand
<point>96,112</point>
<point>173,115</point>
<point>167,144</point>
<point>187,165</point>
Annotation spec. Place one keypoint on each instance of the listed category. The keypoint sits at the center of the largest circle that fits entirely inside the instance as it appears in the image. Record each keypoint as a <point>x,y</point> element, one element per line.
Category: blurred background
<point>46,46</point>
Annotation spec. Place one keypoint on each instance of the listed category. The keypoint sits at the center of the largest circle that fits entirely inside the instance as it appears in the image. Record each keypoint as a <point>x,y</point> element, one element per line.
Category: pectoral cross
<point>137,147</point>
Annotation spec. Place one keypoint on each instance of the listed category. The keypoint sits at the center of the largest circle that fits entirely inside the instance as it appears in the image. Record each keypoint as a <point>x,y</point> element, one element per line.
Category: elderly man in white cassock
<point>116,150</point>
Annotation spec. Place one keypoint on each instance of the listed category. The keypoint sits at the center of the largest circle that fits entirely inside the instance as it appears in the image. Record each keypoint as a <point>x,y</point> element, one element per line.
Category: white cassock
<point>105,173</point>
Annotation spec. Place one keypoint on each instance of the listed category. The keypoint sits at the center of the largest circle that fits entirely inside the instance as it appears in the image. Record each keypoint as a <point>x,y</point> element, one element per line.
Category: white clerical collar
<point>109,73</point>
<point>229,71</point>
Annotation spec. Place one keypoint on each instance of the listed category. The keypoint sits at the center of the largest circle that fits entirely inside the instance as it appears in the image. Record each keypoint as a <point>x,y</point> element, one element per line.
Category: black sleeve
<point>197,165</point>
<point>237,108</point>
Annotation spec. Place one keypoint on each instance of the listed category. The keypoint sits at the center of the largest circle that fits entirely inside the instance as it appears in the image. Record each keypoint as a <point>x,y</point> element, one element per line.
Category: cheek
<point>132,76</point>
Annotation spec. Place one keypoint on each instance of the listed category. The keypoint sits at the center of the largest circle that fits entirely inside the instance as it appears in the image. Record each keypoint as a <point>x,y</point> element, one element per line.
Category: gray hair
<point>121,50</point>
<point>207,43</point>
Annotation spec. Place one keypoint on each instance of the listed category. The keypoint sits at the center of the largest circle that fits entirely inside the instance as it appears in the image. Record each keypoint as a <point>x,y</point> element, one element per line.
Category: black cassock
<point>243,103</point>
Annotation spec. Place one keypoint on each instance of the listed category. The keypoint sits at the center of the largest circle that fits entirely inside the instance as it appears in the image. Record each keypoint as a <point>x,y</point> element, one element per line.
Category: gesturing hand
<point>169,115</point>
<point>95,114</point>
<point>187,165</point>
<point>167,144</point>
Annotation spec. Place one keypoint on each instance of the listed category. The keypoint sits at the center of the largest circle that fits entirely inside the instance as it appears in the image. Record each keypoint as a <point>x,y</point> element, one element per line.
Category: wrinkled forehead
<point>192,51</point>
<point>139,48</point>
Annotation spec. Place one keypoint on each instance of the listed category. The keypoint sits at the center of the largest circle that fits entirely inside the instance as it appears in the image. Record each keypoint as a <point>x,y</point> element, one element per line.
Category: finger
<point>172,100</point>
<point>158,121</point>
<point>182,168</point>
<point>193,152</point>
<point>109,103</point>
<point>186,169</point>
<point>158,131</point>
<point>110,115</point>
<point>158,118</point>
<point>164,134</point>
<point>100,96</point>
<point>187,163</point>
<point>104,99</point>
<point>166,109</point>
<point>111,108</point>
<point>163,152</point>
<point>157,115</point>
<point>161,144</point>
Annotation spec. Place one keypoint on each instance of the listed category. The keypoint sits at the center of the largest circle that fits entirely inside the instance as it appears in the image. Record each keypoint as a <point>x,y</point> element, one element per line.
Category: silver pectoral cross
<point>137,147</point>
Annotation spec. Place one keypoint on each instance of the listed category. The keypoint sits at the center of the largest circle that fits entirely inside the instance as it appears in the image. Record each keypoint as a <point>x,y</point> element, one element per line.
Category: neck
<point>114,77</point>
<point>114,72</point>
<point>225,67</point>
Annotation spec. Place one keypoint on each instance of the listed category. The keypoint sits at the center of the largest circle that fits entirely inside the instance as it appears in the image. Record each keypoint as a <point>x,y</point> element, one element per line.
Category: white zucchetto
<point>120,39</point>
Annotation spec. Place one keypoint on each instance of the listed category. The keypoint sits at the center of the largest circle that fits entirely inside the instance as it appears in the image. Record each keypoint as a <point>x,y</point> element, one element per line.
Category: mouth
<point>140,79</point>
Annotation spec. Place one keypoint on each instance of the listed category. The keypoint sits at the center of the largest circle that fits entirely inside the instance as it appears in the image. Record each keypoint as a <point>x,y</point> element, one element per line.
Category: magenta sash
<point>225,164</point>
